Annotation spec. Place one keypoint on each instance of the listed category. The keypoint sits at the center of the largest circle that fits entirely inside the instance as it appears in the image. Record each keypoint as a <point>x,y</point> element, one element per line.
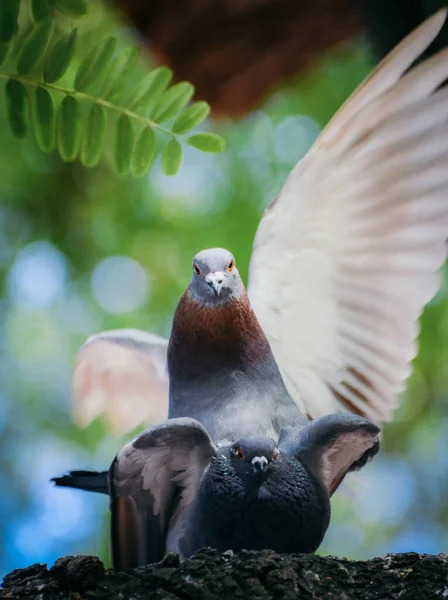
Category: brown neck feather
<point>215,338</point>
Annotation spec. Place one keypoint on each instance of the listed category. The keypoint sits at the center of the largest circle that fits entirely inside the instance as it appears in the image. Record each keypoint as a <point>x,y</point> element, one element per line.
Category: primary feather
<point>122,374</point>
<point>347,255</point>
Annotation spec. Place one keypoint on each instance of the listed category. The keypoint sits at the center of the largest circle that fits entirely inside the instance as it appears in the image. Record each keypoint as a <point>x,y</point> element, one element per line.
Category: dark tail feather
<point>91,481</point>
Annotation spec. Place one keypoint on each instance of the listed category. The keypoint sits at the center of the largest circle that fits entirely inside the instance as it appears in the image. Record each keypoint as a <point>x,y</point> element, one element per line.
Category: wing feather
<point>348,254</point>
<point>121,374</point>
<point>153,480</point>
<point>332,446</point>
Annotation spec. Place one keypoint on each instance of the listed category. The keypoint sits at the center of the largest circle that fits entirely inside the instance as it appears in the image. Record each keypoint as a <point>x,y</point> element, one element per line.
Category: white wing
<point>121,374</point>
<point>346,257</point>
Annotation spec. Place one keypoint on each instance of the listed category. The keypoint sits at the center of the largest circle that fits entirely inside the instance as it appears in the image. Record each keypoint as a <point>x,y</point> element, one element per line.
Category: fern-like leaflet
<point>72,104</point>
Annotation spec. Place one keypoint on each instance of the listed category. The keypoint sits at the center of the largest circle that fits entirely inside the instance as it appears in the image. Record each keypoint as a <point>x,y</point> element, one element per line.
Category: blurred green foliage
<point>79,218</point>
<point>78,90</point>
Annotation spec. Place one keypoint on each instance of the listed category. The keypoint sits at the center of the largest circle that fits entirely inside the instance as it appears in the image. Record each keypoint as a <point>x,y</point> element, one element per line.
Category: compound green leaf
<point>149,91</point>
<point>9,13</point>
<point>41,9</point>
<point>121,71</point>
<point>207,142</point>
<point>4,49</point>
<point>144,152</point>
<point>71,8</point>
<point>93,137</point>
<point>16,103</point>
<point>69,129</point>
<point>60,57</point>
<point>172,101</point>
<point>95,64</point>
<point>34,47</point>
<point>124,143</point>
<point>172,158</point>
<point>44,119</point>
<point>191,117</point>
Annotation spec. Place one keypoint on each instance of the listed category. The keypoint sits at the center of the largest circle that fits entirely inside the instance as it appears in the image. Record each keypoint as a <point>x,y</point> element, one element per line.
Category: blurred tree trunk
<point>248,575</point>
<point>238,51</point>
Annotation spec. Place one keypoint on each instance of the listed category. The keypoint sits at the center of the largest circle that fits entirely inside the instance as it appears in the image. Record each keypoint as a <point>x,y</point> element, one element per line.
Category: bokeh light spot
<point>37,276</point>
<point>120,284</point>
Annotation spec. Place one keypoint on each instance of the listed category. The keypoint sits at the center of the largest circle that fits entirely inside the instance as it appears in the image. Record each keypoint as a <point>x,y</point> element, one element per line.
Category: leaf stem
<point>84,96</point>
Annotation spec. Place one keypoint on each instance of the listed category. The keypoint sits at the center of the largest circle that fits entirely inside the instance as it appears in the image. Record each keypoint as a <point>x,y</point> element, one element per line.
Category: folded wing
<point>153,479</point>
<point>347,255</point>
<point>122,375</point>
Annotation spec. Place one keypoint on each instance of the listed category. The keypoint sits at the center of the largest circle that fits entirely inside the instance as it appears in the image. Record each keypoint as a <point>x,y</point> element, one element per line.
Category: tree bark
<point>236,52</point>
<point>248,575</point>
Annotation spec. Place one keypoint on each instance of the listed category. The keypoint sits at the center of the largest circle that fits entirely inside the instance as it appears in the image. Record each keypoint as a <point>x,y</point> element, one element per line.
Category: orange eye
<point>196,269</point>
<point>231,265</point>
<point>238,452</point>
<point>274,456</point>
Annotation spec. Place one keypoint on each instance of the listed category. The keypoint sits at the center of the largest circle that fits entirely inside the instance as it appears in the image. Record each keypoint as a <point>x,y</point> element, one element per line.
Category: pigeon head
<point>253,455</point>
<point>215,278</point>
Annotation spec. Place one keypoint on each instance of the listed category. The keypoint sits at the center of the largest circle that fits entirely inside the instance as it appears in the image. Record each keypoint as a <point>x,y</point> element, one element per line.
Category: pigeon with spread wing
<point>344,261</point>
<point>172,489</point>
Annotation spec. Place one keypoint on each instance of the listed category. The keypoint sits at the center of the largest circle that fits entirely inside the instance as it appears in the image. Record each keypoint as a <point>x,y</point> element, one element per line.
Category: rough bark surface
<point>248,575</point>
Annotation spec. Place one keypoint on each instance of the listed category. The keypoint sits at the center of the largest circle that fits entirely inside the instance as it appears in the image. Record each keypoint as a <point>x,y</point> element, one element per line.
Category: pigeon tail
<point>90,481</point>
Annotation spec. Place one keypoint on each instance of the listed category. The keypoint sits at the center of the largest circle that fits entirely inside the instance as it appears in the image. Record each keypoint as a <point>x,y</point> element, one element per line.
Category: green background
<point>59,223</point>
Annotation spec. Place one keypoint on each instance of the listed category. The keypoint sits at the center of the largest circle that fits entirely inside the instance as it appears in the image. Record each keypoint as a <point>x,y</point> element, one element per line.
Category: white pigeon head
<point>215,278</point>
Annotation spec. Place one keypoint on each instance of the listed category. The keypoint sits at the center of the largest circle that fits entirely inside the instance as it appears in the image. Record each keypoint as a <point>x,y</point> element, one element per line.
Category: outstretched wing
<point>121,374</point>
<point>153,480</point>
<point>332,446</point>
<point>346,257</point>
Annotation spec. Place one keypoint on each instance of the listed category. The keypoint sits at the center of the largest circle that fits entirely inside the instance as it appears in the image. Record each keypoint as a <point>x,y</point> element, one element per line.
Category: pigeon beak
<point>214,280</point>
<point>259,463</point>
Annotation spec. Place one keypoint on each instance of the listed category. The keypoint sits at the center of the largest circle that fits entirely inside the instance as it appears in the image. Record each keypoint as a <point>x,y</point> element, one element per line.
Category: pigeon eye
<point>238,452</point>
<point>274,456</point>
<point>196,269</point>
<point>231,265</point>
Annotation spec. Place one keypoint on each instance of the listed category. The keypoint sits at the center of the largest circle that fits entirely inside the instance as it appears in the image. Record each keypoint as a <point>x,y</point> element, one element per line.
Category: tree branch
<point>248,575</point>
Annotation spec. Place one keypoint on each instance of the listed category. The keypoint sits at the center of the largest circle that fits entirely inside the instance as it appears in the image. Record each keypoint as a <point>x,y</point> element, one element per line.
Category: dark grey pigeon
<point>173,490</point>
